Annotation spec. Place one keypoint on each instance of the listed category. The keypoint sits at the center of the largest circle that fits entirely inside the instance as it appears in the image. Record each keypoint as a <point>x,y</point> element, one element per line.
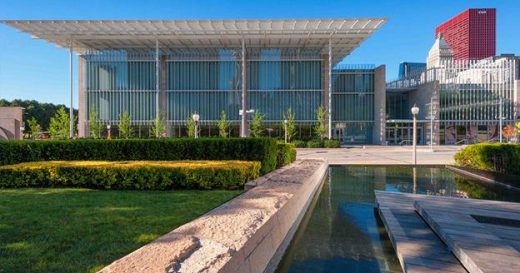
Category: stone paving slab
<point>481,248</point>
<point>416,245</point>
<point>381,155</point>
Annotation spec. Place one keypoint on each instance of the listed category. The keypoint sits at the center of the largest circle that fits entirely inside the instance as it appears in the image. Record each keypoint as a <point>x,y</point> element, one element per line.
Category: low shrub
<point>130,175</point>
<point>264,150</point>
<point>286,154</point>
<point>497,157</point>
<point>299,143</point>
<point>331,143</point>
<point>314,144</point>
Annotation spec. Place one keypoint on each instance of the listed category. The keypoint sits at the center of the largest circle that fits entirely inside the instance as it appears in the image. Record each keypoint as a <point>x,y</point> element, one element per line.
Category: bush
<point>314,144</point>
<point>331,143</point>
<point>264,150</point>
<point>503,158</point>
<point>299,143</point>
<point>286,154</point>
<point>130,175</point>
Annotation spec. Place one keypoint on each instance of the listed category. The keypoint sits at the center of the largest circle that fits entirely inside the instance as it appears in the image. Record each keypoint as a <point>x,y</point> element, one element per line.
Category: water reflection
<point>342,232</point>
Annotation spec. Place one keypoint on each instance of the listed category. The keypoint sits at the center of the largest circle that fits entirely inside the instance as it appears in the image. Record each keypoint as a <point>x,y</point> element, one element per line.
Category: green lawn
<point>80,230</point>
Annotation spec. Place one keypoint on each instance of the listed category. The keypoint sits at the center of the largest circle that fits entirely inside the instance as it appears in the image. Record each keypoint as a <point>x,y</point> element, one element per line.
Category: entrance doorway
<point>401,133</point>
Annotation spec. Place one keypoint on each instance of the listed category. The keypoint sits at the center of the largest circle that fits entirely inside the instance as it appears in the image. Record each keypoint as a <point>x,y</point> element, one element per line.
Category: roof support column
<point>330,90</point>
<point>243,120</point>
<point>157,83</point>
<point>71,110</point>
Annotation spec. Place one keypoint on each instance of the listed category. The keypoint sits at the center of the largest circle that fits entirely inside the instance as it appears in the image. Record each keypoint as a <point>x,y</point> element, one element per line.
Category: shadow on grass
<point>80,230</point>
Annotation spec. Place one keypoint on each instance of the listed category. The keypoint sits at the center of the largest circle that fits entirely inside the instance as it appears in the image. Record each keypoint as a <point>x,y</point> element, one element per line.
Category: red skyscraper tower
<point>471,34</point>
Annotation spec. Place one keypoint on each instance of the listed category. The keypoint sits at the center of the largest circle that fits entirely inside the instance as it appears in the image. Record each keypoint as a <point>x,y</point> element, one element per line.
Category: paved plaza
<point>382,155</point>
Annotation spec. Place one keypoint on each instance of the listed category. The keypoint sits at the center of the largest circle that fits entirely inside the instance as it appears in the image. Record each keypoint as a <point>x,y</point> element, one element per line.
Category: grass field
<point>80,230</point>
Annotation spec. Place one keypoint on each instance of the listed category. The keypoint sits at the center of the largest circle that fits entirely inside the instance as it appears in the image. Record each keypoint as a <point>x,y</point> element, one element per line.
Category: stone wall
<point>11,121</point>
<point>247,234</point>
<point>379,130</point>
<point>422,97</point>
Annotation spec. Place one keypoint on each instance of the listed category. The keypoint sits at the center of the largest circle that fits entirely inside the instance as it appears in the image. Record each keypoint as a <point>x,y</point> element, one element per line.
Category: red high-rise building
<point>471,34</point>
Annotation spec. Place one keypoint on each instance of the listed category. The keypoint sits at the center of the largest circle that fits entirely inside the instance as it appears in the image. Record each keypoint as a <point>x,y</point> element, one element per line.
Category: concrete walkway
<point>382,155</point>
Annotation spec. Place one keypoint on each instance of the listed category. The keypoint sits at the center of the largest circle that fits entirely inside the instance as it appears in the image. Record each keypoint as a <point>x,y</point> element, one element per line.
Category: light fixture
<point>196,118</point>
<point>415,110</point>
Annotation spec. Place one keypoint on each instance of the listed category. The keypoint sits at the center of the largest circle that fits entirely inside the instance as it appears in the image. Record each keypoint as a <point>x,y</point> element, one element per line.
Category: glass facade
<point>209,81</point>
<point>469,97</point>
<point>279,79</point>
<point>206,82</point>
<point>120,81</point>
<point>353,103</point>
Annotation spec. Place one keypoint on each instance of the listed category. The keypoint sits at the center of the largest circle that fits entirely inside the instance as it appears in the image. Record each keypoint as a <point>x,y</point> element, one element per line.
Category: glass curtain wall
<point>120,81</point>
<point>279,79</point>
<point>203,81</point>
<point>477,90</point>
<point>353,103</point>
<point>473,97</point>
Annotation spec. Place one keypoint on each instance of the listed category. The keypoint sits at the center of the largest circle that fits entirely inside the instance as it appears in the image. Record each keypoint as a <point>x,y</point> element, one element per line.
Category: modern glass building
<point>408,69</point>
<point>173,69</point>
<point>461,102</point>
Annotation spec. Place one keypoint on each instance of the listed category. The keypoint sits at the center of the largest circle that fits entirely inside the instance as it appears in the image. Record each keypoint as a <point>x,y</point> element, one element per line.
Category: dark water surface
<point>341,232</point>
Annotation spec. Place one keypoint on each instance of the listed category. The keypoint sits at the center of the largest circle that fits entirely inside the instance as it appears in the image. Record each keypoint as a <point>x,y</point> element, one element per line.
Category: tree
<point>159,126</point>
<point>59,124</point>
<point>321,128</point>
<point>291,124</point>
<point>190,126</point>
<point>42,112</point>
<point>223,125</point>
<point>95,127</point>
<point>34,127</point>
<point>509,132</point>
<point>256,124</point>
<point>125,129</point>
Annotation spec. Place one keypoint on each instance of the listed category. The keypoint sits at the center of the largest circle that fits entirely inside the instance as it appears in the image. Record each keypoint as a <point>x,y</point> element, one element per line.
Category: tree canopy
<point>40,111</point>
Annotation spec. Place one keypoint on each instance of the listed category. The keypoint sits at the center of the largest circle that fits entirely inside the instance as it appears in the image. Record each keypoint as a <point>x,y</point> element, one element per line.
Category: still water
<point>341,232</point>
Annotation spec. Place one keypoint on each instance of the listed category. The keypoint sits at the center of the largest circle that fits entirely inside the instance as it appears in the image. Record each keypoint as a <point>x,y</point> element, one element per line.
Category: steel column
<point>157,84</point>
<point>431,123</point>
<point>500,116</point>
<point>243,121</point>
<point>330,89</point>
<point>71,110</point>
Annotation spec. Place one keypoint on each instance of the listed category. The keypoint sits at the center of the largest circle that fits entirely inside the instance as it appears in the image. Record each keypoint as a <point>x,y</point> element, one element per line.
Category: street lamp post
<point>500,118</point>
<point>415,111</point>
<point>196,118</point>
<point>285,129</point>
<point>109,136</point>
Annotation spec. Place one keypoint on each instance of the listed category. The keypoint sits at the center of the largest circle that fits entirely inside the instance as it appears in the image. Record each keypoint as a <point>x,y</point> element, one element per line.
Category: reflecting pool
<point>341,231</point>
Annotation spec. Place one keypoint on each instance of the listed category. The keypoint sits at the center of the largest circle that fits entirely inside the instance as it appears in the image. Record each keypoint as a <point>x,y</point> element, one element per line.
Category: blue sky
<point>34,69</point>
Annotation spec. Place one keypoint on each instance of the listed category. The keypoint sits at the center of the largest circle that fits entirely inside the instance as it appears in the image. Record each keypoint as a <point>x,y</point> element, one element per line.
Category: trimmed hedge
<point>286,154</point>
<point>331,143</point>
<point>316,143</point>
<point>264,150</point>
<point>300,143</point>
<point>496,157</point>
<point>130,175</point>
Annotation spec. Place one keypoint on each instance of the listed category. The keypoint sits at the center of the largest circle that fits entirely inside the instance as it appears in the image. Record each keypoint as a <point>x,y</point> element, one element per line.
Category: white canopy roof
<point>345,34</point>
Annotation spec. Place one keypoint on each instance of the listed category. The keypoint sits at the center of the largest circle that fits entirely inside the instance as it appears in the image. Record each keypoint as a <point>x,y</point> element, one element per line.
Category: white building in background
<point>439,54</point>
<point>461,101</point>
